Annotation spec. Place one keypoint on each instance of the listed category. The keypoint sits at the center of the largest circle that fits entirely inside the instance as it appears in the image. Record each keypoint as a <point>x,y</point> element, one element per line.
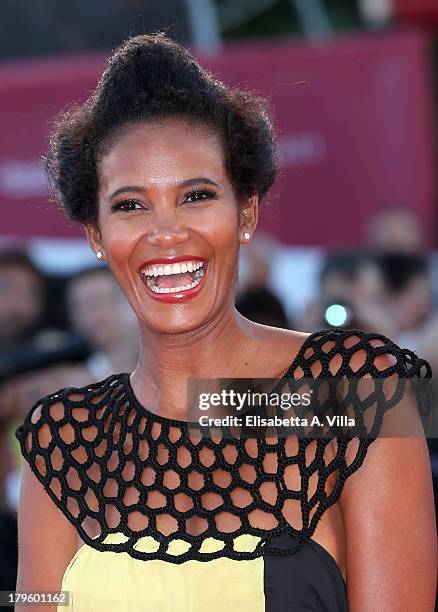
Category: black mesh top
<point>112,466</point>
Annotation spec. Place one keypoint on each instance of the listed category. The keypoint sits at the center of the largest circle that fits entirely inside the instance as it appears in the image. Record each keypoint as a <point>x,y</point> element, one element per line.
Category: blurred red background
<point>347,148</point>
<point>425,11</point>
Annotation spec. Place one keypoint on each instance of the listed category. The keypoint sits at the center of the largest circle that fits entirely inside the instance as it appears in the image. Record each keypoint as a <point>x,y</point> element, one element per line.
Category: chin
<point>179,318</point>
<point>175,324</point>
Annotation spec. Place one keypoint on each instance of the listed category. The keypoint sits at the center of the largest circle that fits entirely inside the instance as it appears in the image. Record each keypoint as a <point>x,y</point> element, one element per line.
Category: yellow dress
<point>114,582</point>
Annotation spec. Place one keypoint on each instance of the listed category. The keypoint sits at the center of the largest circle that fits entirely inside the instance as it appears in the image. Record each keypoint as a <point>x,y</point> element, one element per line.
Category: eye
<point>199,195</point>
<point>125,205</point>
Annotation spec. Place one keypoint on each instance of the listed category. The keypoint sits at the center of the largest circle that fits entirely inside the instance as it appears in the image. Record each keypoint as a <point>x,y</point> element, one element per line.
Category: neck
<point>167,361</point>
<point>203,351</point>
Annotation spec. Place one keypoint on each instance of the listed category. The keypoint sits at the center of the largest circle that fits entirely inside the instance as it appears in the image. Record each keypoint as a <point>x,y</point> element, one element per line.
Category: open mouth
<point>173,278</point>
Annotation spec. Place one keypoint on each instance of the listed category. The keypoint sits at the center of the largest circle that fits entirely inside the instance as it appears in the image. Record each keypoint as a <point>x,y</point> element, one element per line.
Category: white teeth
<point>151,272</point>
<point>174,289</point>
<point>176,268</point>
<point>155,289</point>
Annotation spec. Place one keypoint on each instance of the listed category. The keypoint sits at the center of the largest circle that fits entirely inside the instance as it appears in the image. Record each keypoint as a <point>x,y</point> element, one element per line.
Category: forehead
<point>161,154</point>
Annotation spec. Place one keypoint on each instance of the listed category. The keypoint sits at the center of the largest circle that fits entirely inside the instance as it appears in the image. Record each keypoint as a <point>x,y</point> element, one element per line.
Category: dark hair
<point>262,306</point>
<point>347,262</point>
<point>19,258</point>
<point>102,268</point>
<point>150,77</point>
<point>399,269</point>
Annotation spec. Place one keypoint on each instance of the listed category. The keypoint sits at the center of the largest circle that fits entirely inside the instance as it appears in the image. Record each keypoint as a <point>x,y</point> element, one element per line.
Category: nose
<point>167,230</point>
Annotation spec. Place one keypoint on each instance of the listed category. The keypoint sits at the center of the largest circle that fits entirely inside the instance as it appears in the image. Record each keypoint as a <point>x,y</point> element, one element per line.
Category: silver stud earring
<point>246,235</point>
<point>99,254</point>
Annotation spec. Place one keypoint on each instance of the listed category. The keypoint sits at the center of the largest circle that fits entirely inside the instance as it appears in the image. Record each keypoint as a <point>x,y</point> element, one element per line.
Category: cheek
<point>219,226</point>
<point>213,233</point>
<point>120,237</point>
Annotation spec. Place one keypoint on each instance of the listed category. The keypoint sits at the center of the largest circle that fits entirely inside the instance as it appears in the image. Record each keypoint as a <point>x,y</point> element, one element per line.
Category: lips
<point>174,279</point>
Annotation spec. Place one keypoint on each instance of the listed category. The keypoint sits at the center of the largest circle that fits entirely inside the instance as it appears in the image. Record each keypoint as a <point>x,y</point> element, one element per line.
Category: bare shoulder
<point>46,538</point>
<point>287,340</point>
<point>52,441</point>
<point>56,431</point>
<point>290,335</point>
<point>387,505</point>
<point>389,517</point>
<point>49,428</point>
<point>279,347</point>
<point>54,418</point>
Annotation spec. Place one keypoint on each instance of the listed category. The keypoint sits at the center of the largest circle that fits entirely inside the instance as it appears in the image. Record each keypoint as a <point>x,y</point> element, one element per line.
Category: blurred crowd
<point>58,331</point>
<point>389,286</point>
<point>54,333</point>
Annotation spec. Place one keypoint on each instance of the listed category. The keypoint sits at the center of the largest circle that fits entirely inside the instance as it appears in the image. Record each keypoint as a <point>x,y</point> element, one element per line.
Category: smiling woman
<point>166,168</point>
<point>184,216</point>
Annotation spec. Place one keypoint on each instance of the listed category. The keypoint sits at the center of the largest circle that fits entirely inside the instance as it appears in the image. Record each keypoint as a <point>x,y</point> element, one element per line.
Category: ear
<point>94,238</point>
<point>248,218</point>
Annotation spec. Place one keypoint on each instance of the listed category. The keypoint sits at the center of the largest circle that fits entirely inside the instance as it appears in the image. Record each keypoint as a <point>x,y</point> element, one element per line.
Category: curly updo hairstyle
<point>148,78</point>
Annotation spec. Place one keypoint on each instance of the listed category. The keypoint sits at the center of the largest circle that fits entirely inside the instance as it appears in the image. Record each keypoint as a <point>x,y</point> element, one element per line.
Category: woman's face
<point>170,224</point>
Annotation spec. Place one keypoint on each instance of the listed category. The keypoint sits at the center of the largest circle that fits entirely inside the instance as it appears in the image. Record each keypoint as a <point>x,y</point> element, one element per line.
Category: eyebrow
<point>136,188</point>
